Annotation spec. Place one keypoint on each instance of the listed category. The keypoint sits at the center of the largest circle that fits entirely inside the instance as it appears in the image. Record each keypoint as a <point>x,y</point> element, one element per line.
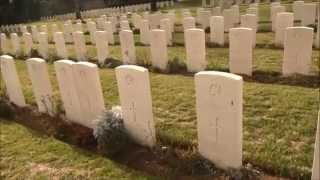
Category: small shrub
<point>5,110</point>
<point>111,63</point>
<point>177,66</point>
<point>207,30</point>
<point>34,53</point>
<point>110,132</point>
<point>136,31</point>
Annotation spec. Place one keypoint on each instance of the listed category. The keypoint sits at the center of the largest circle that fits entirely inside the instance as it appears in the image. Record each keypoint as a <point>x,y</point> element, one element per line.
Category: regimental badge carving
<point>214,89</point>
<point>129,79</point>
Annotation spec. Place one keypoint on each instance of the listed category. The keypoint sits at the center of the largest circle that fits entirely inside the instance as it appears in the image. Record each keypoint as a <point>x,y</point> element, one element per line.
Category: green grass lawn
<point>279,114</point>
<point>26,154</point>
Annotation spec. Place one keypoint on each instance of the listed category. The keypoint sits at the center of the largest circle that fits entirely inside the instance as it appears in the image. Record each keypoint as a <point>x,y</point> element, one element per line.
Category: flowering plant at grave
<point>110,132</point>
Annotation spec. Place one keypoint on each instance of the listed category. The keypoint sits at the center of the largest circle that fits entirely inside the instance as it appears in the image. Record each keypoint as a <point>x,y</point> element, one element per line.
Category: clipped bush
<point>110,132</point>
<point>177,66</point>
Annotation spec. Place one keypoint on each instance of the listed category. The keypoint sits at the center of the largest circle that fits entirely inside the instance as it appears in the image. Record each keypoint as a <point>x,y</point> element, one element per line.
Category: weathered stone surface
<point>128,48</point>
<point>283,21</point>
<point>158,47</point>
<point>88,87</point>
<point>136,102</point>
<point>60,45</point>
<point>240,51</point>
<point>79,46</point>
<point>219,117</point>
<point>217,30</point>
<point>195,49</point>
<point>11,80</point>
<point>102,46</point>
<point>38,72</point>
<point>297,51</point>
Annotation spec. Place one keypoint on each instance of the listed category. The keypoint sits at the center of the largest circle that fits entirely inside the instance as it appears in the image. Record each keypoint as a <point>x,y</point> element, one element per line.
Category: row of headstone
<point>297,42</point>
<point>83,101</point>
<point>219,103</point>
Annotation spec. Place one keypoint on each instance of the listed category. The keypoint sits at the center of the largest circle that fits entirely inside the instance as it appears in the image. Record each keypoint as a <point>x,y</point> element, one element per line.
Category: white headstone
<point>297,51</point>
<point>109,29</point>
<point>189,23</point>
<point>236,14</point>
<point>80,46</point>
<point>216,11</point>
<point>28,43</point>
<point>92,29</point>
<point>88,87</point>
<point>204,18</point>
<point>68,91</point>
<point>195,49</point>
<point>11,80</point>
<point>316,158</point>
<point>309,14</point>
<point>124,25</point>
<point>219,117</point>
<point>60,45</point>
<point>228,19</point>
<point>43,46</point>
<point>217,30</point>
<point>102,46</point>
<point>165,25</point>
<point>35,33</point>
<point>250,21</point>
<point>78,27</point>
<point>317,39</point>
<point>4,43</point>
<point>240,51</point>
<point>283,21</point>
<point>154,20</point>
<point>15,42</point>
<point>41,85</point>
<point>136,103</point>
<point>128,49</point>
<point>273,14</point>
<point>68,29</point>
<point>144,32</point>
<point>297,8</point>
<point>158,47</point>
